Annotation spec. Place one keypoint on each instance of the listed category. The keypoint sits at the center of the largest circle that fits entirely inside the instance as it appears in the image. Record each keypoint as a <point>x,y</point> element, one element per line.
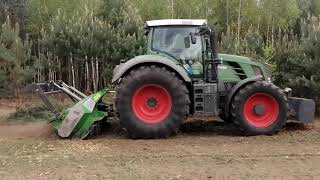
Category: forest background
<point>81,41</point>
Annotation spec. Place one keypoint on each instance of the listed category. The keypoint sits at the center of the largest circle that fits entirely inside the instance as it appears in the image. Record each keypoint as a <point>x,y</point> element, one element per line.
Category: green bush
<point>298,61</point>
<point>32,114</point>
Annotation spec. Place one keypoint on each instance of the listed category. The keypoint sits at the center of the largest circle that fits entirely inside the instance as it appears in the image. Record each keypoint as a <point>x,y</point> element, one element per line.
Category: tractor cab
<point>189,42</point>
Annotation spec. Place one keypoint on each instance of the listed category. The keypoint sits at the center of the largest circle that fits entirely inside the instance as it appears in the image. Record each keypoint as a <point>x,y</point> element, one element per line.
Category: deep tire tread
<point>135,128</point>
<point>245,92</point>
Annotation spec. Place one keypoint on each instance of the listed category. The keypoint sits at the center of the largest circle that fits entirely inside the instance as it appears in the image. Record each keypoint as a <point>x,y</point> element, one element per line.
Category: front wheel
<point>152,102</point>
<point>260,108</point>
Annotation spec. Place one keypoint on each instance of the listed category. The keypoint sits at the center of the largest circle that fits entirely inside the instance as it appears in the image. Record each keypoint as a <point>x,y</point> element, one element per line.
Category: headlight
<point>267,69</point>
<point>257,71</point>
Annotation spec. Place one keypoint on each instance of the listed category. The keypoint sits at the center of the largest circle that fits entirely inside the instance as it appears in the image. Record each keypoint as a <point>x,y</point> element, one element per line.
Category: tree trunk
<point>69,73</point>
<point>259,21</point>
<point>268,29</point>
<point>172,9</point>
<point>38,69</point>
<point>227,13</point>
<point>97,74</point>
<point>60,71</point>
<point>38,75</point>
<point>93,75</point>
<point>72,72</point>
<point>105,74</point>
<point>272,33</point>
<point>88,89</point>
<point>49,69</point>
<point>239,22</point>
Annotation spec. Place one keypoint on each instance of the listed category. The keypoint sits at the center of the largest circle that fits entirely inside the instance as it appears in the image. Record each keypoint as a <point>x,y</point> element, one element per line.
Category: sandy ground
<point>202,150</point>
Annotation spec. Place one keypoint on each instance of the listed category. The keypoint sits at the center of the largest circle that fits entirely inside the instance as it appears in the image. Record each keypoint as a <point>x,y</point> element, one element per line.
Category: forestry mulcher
<point>182,75</point>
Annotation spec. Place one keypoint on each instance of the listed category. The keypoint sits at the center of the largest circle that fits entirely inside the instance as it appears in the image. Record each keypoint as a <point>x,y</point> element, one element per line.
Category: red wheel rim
<point>152,104</point>
<point>261,110</point>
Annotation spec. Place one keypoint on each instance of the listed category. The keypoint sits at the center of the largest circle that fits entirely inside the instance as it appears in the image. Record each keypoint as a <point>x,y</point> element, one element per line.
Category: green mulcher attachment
<point>82,120</point>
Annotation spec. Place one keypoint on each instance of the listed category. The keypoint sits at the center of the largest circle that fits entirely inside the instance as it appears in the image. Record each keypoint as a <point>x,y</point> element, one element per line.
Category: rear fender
<point>236,88</point>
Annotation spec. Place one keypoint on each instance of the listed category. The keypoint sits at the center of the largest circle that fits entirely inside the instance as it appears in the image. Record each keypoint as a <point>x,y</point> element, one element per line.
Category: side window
<point>172,41</point>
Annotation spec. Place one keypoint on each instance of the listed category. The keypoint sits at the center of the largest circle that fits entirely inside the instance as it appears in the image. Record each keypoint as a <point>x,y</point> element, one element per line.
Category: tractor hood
<point>247,65</point>
<point>242,59</point>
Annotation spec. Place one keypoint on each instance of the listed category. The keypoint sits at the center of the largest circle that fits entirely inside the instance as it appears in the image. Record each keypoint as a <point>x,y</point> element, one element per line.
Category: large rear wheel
<point>260,108</point>
<point>152,102</point>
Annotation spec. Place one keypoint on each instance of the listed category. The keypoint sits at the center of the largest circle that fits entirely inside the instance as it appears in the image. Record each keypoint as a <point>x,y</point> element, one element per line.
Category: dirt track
<point>216,153</point>
<point>202,150</point>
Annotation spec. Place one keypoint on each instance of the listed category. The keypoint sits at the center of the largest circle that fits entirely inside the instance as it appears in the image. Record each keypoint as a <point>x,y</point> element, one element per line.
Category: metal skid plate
<point>302,109</point>
<point>70,122</point>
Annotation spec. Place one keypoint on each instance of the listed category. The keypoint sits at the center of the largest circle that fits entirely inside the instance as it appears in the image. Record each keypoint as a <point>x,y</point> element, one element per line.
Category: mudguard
<point>236,88</point>
<point>121,69</point>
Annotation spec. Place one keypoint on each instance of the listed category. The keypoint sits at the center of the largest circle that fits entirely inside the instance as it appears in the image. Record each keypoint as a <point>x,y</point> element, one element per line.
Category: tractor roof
<point>177,22</point>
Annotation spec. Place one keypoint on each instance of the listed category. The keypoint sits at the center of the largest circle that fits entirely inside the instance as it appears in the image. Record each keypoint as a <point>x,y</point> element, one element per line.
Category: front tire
<point>225,118</point>
<point>152,102</point>
<point>260,108</point>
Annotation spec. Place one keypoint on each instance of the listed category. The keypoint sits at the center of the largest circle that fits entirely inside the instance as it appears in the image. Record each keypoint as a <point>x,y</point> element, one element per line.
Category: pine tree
<point>15,55</point>
<point>88,47</point>
<point>16,10</point>
<point>297,61</point>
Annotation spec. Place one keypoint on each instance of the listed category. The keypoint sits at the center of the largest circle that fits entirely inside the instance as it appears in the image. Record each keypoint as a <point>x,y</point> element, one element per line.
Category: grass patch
<point>33,114</point>
<point>32,109</point>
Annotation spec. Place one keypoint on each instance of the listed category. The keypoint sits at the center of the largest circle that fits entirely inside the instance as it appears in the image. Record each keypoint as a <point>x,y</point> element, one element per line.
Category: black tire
<point>264,90</point>
<point>226,119</point>
<point>151,75</point>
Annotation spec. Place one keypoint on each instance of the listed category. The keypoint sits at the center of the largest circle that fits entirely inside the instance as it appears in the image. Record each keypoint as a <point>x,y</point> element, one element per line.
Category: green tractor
<point>182,75</point>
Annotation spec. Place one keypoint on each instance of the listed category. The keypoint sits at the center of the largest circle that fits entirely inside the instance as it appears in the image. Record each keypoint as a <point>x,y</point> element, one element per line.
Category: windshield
<point>176,42</point>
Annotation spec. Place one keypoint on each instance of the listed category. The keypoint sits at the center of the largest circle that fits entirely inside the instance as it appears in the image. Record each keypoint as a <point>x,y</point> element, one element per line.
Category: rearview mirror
<point>193,38</point>
<point>146,32</point>
<point>187,42</point>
